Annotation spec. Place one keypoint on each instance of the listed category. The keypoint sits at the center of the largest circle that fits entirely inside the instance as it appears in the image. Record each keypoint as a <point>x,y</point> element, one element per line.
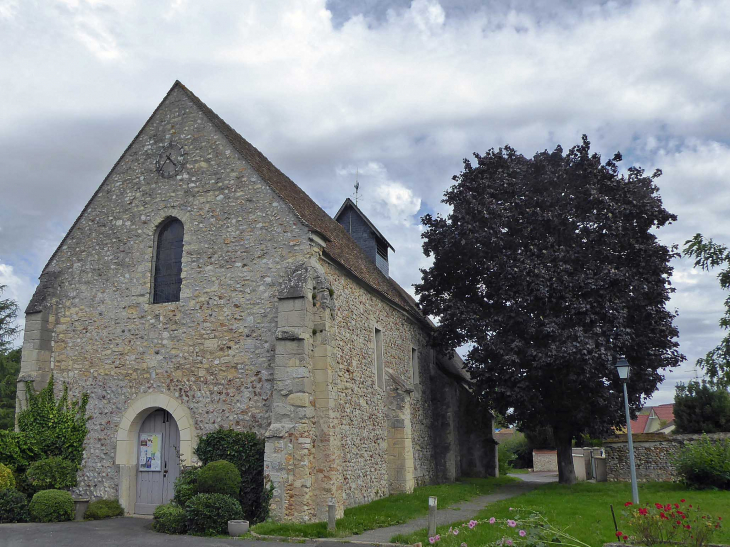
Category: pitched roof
<point>350,203</point>
<point>665,412</point>
<point>340,245</point>
<point>639,424</point>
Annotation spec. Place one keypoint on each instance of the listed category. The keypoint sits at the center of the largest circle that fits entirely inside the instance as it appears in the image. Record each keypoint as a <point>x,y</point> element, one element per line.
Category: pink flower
<point>473,523</point>
<point>511,508</point>
<point>512,523</point>
<point>523,533</point>
<point>464,545</point>
<point>456,532</point>
<point>492,520</point>
<point>437,537</point>
<point>432,540</point>
<point>508,541</point>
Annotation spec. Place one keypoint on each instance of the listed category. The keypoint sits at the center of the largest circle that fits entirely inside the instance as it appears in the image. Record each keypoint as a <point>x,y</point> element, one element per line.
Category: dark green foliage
<point>9,369</point>
<point>246,451</point>
<point>219,477</point>
<point>51,506</point>
<point>708,255</point>
<point>541,438</point>
<point>104,509</point>
<point>550,267</point>
<point>186,485</point>
<point>18,450</point>
<point>13,506</point>
<point>58,427</point>
<point>170,519</point>
<point>209,513</point>
<point>517,451</point>
<point>701,408</point>
<point>705,463</point>
<point>51,473</point>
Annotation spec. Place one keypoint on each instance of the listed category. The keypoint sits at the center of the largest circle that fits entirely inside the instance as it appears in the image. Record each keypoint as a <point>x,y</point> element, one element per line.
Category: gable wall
<point>214,350</point>
<point>361,405</point>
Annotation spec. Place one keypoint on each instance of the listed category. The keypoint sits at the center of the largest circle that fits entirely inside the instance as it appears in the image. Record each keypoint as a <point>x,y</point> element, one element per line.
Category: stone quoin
<point>200,288</point>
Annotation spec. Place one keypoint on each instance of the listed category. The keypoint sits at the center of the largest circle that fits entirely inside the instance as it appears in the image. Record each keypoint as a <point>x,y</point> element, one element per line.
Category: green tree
<point>550,267</point>
<point>9,369</point>
<point>709,255</point>
<point>8,313</point>
<point>701,408</point>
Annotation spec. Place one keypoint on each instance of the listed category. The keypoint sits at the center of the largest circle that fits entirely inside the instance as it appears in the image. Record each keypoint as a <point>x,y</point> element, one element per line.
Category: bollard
<point>331,520</point>
<point>432,502</point>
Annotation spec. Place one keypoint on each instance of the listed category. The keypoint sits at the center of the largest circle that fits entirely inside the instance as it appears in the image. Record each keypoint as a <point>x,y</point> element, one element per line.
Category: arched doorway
<point>143,488</point>
<point>158,461</point>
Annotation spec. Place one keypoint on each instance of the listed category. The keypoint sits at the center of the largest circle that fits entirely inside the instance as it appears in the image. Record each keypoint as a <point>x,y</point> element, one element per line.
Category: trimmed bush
<point>170,519</point>
<point>219,477</point>
<point>104,509</point>
<point>246,451</point>
<point>13,506</point>
<point>6,477</point>
<point>51,506</point>
<point>209,513</point>
<point>186,485</point>
<point>52,473</point>
<point>18,450</point>
<point>705,463</point>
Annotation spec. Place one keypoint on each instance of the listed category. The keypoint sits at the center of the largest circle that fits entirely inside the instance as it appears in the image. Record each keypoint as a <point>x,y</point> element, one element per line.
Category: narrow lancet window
<point>168,262</point>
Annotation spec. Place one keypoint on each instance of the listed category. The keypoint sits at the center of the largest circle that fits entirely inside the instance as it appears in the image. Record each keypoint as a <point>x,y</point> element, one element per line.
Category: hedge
<point>219,477</point>
<point>51,506</point>
<point>13,506</point>
<point>104,509</point>
<point>52,473</point>
<point>170,519</point>
<point>209,513</point>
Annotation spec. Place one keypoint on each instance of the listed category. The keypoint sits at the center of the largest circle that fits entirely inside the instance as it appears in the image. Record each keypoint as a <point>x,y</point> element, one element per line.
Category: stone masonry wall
<point>653,454</point>
<point>214,350</point>
<point>361,405</point>
<point>545,460</point>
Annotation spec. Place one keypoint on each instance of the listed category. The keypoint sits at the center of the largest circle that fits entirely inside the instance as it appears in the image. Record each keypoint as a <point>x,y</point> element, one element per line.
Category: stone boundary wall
<point>545,460</point>
<point>653,452</point>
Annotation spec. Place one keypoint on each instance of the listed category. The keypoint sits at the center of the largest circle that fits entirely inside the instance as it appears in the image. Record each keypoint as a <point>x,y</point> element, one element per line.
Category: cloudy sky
<point>399,91</point>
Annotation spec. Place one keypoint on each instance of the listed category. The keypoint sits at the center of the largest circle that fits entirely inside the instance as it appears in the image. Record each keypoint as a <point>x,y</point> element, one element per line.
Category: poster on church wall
<point>150,451</point>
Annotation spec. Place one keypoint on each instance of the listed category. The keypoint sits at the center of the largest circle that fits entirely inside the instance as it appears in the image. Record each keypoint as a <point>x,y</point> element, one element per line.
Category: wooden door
<point>158,461</point>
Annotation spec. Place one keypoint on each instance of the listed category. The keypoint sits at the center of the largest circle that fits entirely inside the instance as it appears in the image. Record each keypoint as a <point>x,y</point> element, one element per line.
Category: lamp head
<point>622,367</point>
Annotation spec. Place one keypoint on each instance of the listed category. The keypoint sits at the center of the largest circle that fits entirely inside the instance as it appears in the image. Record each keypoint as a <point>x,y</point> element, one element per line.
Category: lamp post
<point>622,367</point>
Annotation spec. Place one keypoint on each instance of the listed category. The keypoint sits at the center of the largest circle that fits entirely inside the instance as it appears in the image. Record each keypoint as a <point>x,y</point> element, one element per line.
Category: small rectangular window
<point>379,368</point>
<point>415,376</point>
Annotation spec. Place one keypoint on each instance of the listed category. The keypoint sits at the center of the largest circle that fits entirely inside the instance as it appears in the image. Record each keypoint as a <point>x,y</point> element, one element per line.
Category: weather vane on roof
<point>357,184</point>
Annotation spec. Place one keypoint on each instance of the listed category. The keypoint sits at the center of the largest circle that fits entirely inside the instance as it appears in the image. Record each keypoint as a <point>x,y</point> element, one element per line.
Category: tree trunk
<point>566,471</point>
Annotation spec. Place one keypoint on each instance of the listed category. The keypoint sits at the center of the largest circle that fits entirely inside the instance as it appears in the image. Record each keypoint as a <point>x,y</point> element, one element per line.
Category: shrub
<point>51,506</point>
<point>52,473</point>
<point>210,513</point>
<point>705,463</point>
<point>678,523</point>
<point>219,477</point>
<point>170,519</point>
<point>57,427</point>
<point>13,506</point>
<point>186,485</point>
<point>246,451</point>
<point>701,408</point>
<point>6,477</point>
<point>18,450</point>
<point>104,509</point>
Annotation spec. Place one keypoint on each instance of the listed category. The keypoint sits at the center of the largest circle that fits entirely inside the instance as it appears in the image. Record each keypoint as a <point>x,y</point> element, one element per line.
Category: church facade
<point>200,288</point>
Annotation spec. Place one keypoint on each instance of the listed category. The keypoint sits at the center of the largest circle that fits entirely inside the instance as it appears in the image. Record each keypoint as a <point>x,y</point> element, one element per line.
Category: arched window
<point>168,262</point>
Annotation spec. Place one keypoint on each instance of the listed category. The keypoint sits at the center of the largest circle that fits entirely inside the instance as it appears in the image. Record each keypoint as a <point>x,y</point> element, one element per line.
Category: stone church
<point>200,288</point>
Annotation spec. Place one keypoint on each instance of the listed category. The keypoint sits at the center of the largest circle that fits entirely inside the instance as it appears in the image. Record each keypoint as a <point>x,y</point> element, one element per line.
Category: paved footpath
<point>460,511</point>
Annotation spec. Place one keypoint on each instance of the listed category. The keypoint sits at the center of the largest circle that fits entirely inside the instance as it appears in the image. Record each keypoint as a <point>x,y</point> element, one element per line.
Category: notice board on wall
<point>150,452</point>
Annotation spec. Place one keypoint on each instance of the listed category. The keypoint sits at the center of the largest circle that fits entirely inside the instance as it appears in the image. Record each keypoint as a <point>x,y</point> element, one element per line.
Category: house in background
<point>654,419</point>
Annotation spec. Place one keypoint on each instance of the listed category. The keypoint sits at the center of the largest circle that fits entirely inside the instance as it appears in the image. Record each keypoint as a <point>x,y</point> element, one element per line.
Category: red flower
<point>628,503</point>
<point>682,500</point>
<point>676,506</point>
<point>668,507</point>
<point>643,511</point>
<point>719,518</point>
<point>619,534</point>
<point>679,522</point>
<point>687,526</point>
<point>658,506</point>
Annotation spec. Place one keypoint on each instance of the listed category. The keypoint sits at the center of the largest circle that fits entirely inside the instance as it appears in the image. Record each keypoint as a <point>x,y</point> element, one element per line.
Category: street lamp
<point>622,367</point>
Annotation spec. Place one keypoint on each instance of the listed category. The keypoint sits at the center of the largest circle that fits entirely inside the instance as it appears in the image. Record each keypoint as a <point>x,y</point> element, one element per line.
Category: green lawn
<point>387,511</point>
<point>583,509</point>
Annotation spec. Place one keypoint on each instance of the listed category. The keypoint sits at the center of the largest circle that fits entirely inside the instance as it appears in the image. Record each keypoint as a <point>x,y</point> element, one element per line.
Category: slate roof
<point>350,203</point>
<point>340,245</point>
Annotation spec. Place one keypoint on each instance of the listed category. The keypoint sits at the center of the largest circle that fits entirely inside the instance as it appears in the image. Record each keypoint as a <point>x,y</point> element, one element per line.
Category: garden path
<point>460,511</point>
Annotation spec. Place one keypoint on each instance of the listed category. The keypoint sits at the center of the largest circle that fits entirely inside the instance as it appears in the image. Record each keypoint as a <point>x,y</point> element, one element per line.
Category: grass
<point>514,471</point>
<point>387,511</point>
<point>583,509</point>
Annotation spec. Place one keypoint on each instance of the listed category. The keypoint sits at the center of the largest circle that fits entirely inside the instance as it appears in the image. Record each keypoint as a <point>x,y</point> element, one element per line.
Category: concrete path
<point>459,512</point>
<point>120,532</point>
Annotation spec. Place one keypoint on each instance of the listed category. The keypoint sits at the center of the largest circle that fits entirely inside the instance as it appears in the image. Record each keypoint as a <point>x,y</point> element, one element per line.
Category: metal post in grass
<point>432,503</point>
<point>622,366</point>
<point>331,517</point>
